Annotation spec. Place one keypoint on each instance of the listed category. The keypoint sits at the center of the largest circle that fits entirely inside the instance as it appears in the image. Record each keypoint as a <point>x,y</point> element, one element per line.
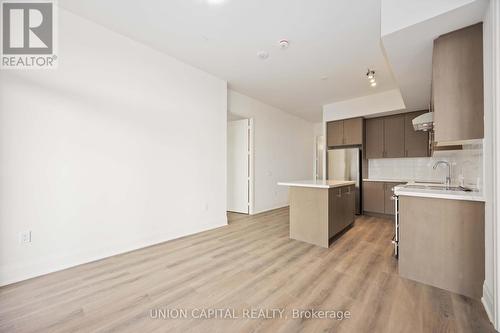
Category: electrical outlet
<point>25,237</point>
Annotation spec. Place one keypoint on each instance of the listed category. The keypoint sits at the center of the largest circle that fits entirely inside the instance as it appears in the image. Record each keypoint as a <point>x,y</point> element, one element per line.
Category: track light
<point>370,74</point>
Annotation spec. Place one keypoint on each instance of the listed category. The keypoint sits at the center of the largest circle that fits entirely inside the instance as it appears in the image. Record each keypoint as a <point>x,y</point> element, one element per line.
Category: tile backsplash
<point>467,163</point>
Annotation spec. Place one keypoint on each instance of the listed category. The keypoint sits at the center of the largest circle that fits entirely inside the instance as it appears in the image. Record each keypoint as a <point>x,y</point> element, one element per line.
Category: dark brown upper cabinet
<point>394,136</point>
<point>353,131</point>
<point>374,146</point>
<point>345,132</point>
<point>457,85</point>
<point>335,133</point>
<point>416,142</point>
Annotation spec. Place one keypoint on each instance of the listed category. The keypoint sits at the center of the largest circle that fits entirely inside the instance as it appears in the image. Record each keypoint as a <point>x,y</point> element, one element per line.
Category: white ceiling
<point>409,50</point>
<point>338,39</point>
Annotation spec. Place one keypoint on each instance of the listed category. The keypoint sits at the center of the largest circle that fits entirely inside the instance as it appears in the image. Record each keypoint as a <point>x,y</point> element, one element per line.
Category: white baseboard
<point>269,209</point>
<point>10,275</point>
<point>487,301</point>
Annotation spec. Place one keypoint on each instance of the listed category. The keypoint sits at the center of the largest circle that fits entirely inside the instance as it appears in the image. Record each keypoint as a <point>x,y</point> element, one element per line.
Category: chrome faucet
<point>448,178</point>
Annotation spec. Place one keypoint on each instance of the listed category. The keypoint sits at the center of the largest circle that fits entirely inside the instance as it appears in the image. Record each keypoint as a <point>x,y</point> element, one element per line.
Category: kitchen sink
<point>420,187</point>
<point>428,182</point>
<point>434,187</point>
<point>451,188</point>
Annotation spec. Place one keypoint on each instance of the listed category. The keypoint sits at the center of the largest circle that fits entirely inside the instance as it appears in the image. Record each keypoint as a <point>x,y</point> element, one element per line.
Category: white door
<point>238,166</point>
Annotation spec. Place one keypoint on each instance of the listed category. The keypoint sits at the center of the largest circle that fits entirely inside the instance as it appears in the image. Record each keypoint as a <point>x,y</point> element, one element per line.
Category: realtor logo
<point>28,35</point>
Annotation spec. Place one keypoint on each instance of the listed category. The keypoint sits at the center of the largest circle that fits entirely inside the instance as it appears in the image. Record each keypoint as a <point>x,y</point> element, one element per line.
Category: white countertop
<point>430,192</point>
<point>318,183</point>
<point>386,180</point>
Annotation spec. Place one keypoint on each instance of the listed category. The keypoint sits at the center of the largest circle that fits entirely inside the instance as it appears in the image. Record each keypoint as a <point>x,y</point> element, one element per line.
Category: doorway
<point>318,160</point>
<point>239,162</point>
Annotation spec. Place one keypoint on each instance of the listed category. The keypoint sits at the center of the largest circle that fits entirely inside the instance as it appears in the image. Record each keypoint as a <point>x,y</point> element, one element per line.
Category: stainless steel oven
<point>395,237</point>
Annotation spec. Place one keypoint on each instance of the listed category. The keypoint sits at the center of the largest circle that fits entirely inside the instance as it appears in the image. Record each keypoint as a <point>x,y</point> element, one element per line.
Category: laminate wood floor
<point>249,264</point>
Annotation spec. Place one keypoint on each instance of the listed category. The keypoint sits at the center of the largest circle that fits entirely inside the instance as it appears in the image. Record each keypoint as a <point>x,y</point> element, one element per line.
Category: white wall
<point>399,14</point>
<point>282,149</point>
<point>119,148</point>
<point>375,104</point>
<point>491,36</point>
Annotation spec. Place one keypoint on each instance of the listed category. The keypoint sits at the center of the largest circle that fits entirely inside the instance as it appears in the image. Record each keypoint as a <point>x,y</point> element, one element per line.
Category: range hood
<point>424,122</point>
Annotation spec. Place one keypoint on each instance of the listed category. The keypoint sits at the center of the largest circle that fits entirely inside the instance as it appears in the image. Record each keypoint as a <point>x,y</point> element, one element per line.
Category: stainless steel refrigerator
<point>345,164</point>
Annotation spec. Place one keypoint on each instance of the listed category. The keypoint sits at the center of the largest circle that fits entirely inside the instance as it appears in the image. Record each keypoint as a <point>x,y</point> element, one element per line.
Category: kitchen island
<point>320,209</point>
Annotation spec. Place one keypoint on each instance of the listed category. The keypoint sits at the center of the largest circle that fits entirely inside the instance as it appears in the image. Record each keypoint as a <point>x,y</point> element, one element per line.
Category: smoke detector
<point>284,44</point>
<point>263,55</point>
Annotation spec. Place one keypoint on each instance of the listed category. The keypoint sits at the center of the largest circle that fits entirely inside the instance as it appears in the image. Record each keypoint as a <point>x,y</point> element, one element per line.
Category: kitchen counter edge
<point>318,184</point>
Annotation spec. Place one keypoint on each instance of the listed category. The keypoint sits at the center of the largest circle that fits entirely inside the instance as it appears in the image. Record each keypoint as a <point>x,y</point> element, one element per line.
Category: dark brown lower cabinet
<point>373,197</point>
<point>350,198</point>
<point>343,202</point>
<point>377,197</point>
<point>388,202</point>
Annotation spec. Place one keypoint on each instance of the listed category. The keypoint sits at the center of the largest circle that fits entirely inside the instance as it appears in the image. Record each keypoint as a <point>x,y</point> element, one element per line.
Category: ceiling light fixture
<point>370,74</point>
<point>215,2</point>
